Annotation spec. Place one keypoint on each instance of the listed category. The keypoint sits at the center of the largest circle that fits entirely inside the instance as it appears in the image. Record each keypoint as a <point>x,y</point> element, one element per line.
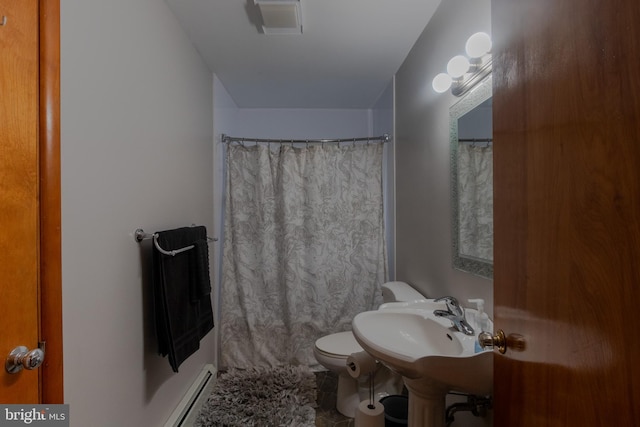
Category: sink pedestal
<point>426,404</point>
<point>431,356</point>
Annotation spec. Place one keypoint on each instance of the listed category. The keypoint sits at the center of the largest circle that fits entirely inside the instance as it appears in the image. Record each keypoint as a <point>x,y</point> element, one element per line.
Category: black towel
<point>200,287</point>
<point>181,288</point>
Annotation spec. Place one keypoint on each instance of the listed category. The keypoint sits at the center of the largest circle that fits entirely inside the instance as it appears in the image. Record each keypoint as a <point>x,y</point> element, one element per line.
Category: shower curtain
<point>475,198</point>
<point>304,248</point>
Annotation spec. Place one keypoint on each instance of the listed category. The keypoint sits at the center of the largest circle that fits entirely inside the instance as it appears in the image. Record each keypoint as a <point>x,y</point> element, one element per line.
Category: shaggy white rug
<point>261,397</point>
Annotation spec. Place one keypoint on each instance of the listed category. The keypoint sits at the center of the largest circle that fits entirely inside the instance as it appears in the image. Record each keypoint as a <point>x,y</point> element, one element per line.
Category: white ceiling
<point>345,58</point>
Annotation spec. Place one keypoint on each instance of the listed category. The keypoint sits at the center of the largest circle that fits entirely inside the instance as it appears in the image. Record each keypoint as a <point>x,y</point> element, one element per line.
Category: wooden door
<point>30,303</point>
<point>19,180</point>
<point>567,211</point>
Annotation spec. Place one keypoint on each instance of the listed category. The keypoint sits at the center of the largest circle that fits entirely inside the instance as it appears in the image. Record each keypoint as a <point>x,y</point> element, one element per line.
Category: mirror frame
<point>469,101</point>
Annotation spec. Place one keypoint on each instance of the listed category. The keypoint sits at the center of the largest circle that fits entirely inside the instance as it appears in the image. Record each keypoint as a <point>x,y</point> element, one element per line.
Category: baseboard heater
<point>186,411</point>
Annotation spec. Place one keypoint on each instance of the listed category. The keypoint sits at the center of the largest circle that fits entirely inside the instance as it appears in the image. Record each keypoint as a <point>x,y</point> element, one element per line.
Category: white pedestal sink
<point>432,357</point>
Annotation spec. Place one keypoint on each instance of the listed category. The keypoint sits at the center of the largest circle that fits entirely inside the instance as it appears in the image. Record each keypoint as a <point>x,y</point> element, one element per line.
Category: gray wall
<point>136,152</point>
<point>423,206</point>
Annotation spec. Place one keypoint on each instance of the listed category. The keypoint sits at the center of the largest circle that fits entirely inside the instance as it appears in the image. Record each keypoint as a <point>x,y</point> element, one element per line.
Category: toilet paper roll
<point>360,363</point>
<point>368,415</point>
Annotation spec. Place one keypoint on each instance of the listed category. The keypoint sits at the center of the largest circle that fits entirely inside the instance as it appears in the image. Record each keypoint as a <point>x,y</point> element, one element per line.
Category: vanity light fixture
<point>280,16</point>
<point>464,72</point>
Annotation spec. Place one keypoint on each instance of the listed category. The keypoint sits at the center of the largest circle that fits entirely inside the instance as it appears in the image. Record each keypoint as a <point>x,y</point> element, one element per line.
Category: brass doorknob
<point>499,340</point>
<point>515,342</point>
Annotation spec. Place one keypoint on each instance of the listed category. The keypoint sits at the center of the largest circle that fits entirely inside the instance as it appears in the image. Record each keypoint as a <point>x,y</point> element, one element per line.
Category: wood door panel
<point>19,239</point>
<point>567,211</point>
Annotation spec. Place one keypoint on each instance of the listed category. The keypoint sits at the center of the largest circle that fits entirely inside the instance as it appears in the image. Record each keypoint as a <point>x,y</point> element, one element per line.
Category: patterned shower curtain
<point>304,248</point>
<point>475,199</point>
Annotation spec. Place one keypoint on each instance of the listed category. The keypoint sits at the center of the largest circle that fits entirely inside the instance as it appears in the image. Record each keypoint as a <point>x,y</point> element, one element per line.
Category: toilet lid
<point>341,344</point>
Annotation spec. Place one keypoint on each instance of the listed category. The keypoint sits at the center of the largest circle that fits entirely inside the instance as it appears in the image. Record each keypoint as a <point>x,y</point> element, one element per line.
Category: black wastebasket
<point>396,410</point>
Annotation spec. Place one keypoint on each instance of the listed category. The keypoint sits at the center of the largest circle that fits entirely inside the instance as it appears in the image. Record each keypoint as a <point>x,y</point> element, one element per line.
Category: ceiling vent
<point>280,16</point>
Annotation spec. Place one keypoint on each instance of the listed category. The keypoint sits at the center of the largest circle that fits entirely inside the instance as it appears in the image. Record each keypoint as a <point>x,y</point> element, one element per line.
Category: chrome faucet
<point>455,313</point>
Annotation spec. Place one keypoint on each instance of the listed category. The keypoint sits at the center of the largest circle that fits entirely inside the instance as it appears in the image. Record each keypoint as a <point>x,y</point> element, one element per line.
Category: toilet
<point>331,351</point>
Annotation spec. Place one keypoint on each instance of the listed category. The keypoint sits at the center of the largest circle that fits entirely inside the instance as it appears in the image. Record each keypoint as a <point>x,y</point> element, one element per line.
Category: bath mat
<point>261,397</point>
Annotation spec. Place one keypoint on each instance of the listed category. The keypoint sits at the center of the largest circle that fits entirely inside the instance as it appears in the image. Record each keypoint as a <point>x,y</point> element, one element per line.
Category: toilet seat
<point>338,346</point>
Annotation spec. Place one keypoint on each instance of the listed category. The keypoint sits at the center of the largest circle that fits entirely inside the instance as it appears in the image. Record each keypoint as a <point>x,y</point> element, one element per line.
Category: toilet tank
<point>399,292</point>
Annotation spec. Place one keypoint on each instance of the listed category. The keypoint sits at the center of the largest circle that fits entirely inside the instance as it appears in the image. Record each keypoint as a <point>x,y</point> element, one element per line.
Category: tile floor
<point>326,413</point>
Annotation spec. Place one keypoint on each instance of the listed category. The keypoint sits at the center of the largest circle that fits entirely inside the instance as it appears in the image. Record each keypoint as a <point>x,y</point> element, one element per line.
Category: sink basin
<point>422,304</point>
<point>425,348</point>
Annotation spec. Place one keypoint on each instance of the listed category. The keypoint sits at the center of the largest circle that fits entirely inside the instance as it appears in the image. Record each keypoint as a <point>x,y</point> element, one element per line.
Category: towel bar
<point>140,235</point>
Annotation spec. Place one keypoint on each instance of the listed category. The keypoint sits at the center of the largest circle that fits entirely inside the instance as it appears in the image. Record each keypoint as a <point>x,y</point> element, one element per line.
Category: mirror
<point>471,136</point>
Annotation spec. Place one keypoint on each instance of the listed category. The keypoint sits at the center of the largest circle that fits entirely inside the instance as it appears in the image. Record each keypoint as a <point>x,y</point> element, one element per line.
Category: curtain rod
<point>227,138</point>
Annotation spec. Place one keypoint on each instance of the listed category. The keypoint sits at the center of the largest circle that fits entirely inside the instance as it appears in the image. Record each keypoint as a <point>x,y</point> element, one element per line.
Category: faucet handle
<point>452,305</point>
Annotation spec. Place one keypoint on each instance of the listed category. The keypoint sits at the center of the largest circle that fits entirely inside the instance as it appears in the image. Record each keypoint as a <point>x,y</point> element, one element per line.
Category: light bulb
<point>458,66</point>
<point>478,44</point>
<point>441,82</point>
